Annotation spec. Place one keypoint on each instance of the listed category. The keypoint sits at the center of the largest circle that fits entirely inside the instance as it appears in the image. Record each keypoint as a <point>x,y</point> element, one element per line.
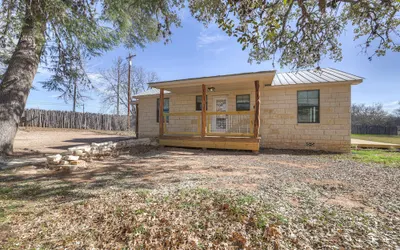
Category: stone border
<point>76,157</point>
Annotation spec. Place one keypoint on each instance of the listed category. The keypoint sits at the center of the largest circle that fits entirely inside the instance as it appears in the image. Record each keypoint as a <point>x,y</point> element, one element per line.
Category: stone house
<point>307,109</point>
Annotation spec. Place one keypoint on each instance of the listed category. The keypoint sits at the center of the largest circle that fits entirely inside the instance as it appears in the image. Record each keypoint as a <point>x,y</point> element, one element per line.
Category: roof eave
<point>352,82</point>
<point>202,80</point>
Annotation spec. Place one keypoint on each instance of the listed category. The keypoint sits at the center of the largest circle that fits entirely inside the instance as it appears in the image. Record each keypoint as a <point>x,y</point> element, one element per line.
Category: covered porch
<point>216,127</point>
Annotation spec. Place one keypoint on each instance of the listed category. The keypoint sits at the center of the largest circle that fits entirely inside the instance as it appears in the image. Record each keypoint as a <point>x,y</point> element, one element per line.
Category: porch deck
<point>221,129</point>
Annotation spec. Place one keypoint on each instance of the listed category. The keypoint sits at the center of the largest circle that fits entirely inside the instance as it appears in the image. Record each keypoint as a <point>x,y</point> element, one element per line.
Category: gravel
<point>287,199</point>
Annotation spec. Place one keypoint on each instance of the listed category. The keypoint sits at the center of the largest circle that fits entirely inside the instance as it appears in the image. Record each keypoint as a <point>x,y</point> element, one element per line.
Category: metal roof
<point>325,75</point>
<point>151,91</point>
<point>211,77</point>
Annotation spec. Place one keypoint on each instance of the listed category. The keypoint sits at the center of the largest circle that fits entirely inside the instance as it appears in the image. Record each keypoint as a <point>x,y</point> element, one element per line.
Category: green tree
<point>300,33</point>
<point>61,34</point>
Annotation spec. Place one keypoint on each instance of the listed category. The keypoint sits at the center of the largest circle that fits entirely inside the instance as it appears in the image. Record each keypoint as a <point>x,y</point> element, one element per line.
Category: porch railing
<point>184,123</point>
<point>230,123</point>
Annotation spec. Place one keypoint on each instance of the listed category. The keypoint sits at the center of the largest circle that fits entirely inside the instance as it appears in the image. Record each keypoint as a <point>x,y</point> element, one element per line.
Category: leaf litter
<point>191,204</point>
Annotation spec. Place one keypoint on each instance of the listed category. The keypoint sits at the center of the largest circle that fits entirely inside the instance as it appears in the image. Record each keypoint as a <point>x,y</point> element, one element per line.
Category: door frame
<point>214,120</point>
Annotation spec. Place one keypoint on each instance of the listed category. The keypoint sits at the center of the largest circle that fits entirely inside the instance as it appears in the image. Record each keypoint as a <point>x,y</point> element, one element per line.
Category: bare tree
<point>362,114</point>
<point>114,86</point>
<point>397,111</point>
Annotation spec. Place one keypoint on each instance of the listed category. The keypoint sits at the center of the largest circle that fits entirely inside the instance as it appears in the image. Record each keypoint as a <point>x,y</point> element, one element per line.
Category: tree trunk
<point>18,79</point>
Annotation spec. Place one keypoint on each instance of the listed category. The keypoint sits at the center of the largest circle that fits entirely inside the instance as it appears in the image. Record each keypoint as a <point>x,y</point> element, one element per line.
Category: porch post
<point>203,110</point>
<point>137,121</point>
<point>257,110</point>
<point>161,113</point>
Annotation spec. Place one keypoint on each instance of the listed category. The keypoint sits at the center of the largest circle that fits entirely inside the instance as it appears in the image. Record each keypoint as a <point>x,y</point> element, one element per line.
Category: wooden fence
<point>69,119</point>
<point>375,130</point>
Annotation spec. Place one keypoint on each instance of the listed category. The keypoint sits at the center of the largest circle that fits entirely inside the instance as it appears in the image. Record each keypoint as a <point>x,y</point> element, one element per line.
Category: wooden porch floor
<point>212,142</point>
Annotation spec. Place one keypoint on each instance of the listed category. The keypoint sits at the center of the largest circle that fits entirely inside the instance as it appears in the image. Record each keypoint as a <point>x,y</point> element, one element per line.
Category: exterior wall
<point>279,128</point>
<point>148,126</point>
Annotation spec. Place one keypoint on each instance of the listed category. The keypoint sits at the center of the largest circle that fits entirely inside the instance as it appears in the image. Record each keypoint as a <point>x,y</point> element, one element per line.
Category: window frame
<point>249,102</point>
<point>201,97</point>
<point>318,120</point>
<point>158,109</point>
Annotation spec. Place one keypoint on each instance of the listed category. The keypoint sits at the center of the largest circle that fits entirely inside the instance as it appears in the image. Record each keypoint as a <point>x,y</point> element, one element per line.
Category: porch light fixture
<point>211,89</point>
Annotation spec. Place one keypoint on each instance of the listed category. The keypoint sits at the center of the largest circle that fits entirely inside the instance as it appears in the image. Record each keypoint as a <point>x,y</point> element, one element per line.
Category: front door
<point>219,122</point>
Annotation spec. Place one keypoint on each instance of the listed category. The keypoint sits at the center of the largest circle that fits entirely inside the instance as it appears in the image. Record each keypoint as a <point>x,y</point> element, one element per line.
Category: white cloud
<point>391,106</point>
<point>212,39</point>
<point>95,78</point>
<point>217,50</point>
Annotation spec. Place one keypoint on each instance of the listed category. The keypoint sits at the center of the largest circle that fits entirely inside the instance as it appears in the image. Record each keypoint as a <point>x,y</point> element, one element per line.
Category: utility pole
<point>75,80</point>
<point>129,89</point>
<point>118,82</point>
<point>74,107</point>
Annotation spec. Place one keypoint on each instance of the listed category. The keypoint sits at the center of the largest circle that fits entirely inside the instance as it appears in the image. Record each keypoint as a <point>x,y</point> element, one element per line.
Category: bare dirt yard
<point>53,140</point>
<point>169,198</point>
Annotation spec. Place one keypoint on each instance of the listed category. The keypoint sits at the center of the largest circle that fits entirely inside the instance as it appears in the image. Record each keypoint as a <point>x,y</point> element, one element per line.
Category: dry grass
<point>188,199</point>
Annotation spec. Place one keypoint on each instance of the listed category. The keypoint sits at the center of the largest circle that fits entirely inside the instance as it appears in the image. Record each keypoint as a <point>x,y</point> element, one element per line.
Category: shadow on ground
<point>83,141</point>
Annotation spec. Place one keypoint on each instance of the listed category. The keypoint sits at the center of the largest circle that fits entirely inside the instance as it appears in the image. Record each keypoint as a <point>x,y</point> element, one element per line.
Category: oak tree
<point>61,34</point>
<point>300,33</point>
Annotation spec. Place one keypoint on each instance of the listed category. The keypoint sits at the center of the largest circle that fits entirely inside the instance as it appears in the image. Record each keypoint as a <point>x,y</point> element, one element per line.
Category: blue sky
<point>198,51</point>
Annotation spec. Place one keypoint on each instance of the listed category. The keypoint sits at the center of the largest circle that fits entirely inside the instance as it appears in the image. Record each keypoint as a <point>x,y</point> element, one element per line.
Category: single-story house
<point>307,109</point>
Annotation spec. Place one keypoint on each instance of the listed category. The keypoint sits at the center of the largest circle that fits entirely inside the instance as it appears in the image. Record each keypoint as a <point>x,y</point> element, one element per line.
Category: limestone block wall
<point>148,126</point>
<point>279,128</point>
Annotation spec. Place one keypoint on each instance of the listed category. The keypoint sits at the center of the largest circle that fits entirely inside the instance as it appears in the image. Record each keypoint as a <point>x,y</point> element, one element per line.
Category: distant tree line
<point>374,114</point>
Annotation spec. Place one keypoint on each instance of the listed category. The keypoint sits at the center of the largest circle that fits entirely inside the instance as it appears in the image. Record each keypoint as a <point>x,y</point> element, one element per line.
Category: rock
<point>71,157</point>
<point>54,158</point>
<point>134,142</point>
<point>78,152</point>
<point>84,148</point>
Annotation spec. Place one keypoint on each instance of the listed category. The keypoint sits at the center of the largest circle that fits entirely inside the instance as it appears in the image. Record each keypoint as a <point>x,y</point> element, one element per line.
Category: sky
<point>197,51</point>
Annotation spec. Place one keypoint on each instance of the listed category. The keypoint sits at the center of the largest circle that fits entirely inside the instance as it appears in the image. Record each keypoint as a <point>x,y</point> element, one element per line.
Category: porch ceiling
<point>220,85</point>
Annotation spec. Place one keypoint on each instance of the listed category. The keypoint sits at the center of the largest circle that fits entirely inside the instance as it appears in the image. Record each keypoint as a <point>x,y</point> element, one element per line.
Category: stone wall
<point>148,126</point>
<point>279,127</point>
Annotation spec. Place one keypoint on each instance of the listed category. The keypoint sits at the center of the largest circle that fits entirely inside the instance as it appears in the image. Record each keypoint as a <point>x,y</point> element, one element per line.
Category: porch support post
<point>161,113</point>
<point>257,110</point>
<point>137,121</point>
<point>203,110</point>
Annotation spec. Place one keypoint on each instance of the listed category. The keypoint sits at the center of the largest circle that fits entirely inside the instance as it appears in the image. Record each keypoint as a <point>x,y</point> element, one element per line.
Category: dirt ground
<point>310,201</point>
<point>52,140</point>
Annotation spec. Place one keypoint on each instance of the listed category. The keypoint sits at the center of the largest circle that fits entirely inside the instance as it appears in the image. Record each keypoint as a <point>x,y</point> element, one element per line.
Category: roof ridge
<point>344,72</point>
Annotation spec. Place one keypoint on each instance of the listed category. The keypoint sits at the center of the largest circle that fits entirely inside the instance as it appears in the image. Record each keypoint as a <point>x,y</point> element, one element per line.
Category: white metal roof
<point>325,75</point>
<point>151,91</point>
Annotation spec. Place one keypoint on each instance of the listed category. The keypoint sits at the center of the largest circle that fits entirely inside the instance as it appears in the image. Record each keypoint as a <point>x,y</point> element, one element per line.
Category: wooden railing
<point>230,123</point>
<point>184,123</point>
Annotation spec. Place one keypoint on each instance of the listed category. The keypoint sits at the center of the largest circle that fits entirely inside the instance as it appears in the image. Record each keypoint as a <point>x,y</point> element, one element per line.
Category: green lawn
<point>379,138</point>
<point>388,158</point>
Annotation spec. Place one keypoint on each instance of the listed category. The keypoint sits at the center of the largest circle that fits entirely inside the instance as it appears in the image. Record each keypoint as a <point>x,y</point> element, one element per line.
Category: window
<point>198,102</point>
<point>308,106</point>
<point>242,102</point>
<point>166,108</point>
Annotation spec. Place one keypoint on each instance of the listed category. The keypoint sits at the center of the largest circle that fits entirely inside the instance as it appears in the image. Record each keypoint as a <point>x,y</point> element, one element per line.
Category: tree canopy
<point>60,35</point>
<point>85,28</point>
<point>300,33</point>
